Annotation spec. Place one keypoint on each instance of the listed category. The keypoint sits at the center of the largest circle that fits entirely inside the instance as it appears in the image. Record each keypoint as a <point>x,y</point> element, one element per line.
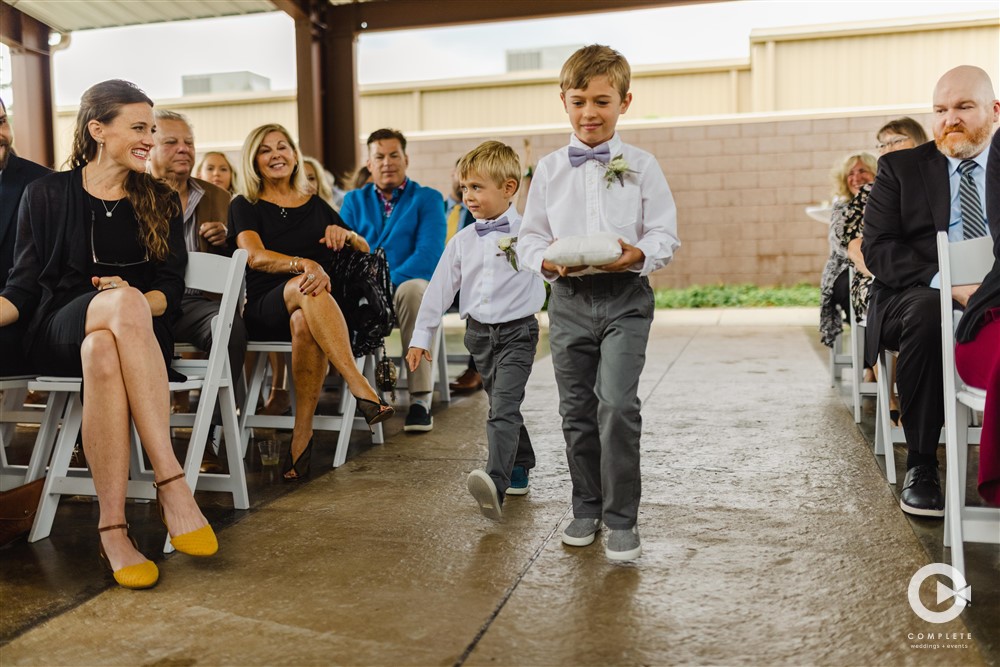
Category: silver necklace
<point>107,213</point>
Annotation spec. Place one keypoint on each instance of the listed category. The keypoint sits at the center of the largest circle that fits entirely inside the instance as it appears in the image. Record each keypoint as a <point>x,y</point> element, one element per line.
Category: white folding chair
<point>206,272</point>
<point>344,423</point>
<point>840,359</point>
<point>961,263</point>
<point>12,413</point>
<point>886,435</point>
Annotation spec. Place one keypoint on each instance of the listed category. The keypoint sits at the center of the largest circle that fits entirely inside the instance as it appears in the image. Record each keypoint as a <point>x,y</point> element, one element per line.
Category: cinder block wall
<point>741,188</point>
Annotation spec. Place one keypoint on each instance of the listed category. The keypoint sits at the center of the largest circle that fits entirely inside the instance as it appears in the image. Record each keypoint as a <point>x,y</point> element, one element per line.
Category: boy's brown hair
<point>491,159</point>
<point>596,60</point>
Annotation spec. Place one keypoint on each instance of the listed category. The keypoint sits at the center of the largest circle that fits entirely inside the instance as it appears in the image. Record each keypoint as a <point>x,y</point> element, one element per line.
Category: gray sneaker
<point>623,544</point>
<point>483,489</point>
<point>580,532</point>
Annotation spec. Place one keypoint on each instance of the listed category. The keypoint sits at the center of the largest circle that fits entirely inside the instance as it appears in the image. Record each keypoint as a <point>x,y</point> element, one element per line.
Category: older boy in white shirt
<point>599,317</point>
<point>500,303</point>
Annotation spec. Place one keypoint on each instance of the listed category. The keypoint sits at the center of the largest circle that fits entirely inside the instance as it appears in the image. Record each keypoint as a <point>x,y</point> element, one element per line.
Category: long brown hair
<point>153,200</point>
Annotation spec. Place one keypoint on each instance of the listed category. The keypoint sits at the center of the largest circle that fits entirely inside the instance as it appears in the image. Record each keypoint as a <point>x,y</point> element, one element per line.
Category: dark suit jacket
<point>909,204</point>
<point>213,207</point>
<point>13,180</point>
<point>988,294</point>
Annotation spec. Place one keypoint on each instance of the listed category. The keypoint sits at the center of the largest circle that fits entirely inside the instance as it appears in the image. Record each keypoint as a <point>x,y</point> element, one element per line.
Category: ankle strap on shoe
<point>114,527</point>
<point>157,485</point>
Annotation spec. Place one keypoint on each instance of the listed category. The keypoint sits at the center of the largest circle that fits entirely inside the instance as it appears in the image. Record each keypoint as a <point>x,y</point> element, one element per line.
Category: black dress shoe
<point>922,492</point>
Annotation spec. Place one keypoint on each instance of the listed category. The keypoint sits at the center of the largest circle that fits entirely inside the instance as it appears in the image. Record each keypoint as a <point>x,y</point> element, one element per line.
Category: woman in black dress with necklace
<point>290,236</point>
<point>98,275</point>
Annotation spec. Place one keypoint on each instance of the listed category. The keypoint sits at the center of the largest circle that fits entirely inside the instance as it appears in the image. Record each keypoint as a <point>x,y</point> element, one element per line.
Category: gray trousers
<point>598,329</point>
<point>194,326</point>
<point>504,354</point>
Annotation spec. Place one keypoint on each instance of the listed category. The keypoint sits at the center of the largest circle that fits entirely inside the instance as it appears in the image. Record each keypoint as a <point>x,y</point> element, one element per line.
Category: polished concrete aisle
<point>770,538</point>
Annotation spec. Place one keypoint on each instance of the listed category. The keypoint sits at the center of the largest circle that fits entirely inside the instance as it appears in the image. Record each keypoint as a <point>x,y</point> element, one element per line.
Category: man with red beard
<point>937,187</point>
<point>15,174</point>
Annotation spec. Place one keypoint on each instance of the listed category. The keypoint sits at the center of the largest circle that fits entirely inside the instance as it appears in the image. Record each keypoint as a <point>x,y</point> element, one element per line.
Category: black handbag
<point>360,284</point>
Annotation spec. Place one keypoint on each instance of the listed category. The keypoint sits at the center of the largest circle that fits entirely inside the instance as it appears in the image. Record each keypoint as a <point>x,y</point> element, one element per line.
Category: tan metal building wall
<point>221,122</point>
<point>871,64</point>
<point>865,64</point>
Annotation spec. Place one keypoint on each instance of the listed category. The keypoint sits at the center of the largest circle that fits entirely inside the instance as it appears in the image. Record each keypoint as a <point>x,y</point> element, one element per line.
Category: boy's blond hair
<point>596,60</point>
<point>491,159</point>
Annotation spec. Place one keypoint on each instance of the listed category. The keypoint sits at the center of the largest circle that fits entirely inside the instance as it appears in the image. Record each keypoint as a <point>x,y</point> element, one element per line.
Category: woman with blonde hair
<point>99,275</point>
<point>216,168</point>
<point>849,176</point>
<point>290,237</point>
<point>316,182</point>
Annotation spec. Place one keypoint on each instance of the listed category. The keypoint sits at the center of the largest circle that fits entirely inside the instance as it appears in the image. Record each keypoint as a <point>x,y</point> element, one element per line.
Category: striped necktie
<point>973,220</point>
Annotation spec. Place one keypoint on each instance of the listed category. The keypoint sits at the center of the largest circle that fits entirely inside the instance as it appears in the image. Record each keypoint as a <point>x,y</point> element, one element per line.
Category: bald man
<point>918,193</point>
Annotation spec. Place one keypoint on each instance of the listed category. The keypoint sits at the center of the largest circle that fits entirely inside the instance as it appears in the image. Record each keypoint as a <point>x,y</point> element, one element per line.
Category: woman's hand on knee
<point>314,279</point>
<point>108,282</point>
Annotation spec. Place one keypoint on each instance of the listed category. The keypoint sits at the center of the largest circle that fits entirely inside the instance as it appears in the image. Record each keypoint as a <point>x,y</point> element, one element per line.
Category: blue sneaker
<point>518,482</point>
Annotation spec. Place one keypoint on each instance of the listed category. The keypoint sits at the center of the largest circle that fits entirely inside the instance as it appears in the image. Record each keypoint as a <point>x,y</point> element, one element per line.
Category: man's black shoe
<point>922,492</point>
<point>418,420</point>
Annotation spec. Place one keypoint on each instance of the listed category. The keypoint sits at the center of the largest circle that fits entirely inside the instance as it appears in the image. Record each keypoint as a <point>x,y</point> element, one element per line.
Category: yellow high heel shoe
<point>135,577</point>
<point>200,542</point>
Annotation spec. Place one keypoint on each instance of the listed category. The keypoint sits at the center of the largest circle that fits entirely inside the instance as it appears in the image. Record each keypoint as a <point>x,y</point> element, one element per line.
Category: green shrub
<point>737,296</point>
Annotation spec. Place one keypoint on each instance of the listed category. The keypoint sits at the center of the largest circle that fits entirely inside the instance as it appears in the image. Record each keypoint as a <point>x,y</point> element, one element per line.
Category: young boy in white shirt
<point>599,317</point>
<point>500,303</point>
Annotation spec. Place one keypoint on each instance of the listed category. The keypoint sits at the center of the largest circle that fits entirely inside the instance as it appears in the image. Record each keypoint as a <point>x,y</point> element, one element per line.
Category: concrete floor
<point>769,536</point>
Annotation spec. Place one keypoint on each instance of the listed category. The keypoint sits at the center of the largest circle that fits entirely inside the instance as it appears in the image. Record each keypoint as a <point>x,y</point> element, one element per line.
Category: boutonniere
<point>616,169</point>
<point>508,245</point>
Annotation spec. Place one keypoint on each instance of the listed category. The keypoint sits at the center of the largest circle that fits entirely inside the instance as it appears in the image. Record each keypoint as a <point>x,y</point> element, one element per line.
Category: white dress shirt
<point>492,291</point>
<point>569,201</point>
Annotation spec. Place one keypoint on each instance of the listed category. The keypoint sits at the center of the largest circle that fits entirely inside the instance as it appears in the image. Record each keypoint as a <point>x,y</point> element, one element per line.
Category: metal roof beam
<point>412,14</point>
<point>31,77</point>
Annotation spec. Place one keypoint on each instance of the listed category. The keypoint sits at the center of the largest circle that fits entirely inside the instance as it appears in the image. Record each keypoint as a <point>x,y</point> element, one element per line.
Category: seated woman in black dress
<point>290,237</point>
<point>98,274</point>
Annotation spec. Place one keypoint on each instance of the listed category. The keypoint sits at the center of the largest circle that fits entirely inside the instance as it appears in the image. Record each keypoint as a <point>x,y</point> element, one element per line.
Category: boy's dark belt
<point>475,325</point>
<point>615,278</point>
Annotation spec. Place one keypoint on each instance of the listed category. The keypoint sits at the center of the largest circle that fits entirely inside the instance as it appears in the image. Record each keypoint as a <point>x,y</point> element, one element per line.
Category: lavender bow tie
<point>484,227</point>
<point>578,156</point>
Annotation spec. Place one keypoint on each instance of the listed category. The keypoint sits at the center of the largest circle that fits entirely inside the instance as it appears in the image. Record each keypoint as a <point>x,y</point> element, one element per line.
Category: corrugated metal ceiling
<point>70,15</point>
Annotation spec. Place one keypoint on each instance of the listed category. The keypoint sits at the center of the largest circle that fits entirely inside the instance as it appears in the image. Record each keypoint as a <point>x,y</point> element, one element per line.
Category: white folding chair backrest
<point>220,275</point>
<point>961,263</point>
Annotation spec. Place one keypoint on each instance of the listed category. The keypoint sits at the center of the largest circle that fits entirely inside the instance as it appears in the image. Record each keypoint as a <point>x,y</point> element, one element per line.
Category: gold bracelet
<point>292,263</point>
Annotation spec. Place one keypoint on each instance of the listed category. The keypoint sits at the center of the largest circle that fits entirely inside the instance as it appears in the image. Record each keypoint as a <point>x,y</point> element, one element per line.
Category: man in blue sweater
<point>407,220</point>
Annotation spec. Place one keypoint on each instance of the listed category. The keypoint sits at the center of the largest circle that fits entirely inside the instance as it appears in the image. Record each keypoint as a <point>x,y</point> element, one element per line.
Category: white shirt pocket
<point>621,203</point>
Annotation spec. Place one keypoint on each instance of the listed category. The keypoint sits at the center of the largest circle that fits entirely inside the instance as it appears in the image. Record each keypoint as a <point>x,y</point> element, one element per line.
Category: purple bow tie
<point>578,156</point>
<point>484,227</point>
